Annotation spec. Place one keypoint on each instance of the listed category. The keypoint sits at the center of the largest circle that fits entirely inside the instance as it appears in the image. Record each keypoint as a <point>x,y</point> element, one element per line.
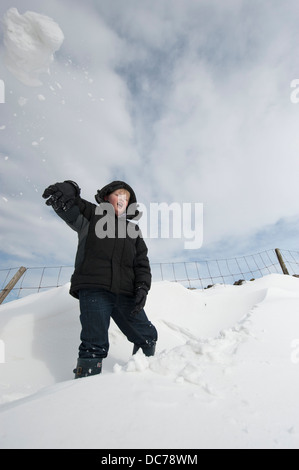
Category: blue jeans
<point>97,306</point>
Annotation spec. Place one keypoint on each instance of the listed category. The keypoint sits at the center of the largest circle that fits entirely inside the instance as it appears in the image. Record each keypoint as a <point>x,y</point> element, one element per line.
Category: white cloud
<point>226,136</point>
<point>188,101</point>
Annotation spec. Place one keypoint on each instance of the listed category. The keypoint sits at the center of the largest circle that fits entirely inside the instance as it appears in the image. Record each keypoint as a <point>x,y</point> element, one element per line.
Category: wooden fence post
<point>281,261</point>
<point>12,283</point>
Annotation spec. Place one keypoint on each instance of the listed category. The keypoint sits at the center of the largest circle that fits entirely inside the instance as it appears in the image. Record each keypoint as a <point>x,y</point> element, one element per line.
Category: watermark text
<point>295,351</point>
<point>159,220</point>
<point>294,97</point>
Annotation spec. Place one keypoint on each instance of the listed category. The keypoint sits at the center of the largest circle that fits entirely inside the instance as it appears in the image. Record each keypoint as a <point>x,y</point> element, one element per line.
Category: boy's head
<point>119,200</point>
<point>119,194</point>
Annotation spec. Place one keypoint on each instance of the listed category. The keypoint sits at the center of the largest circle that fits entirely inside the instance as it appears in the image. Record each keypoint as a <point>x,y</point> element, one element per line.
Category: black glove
<point>62,195</point>
<point>140,300</point>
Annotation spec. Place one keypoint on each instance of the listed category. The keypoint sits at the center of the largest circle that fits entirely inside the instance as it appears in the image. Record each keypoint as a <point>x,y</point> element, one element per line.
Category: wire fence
<point>191,274</point>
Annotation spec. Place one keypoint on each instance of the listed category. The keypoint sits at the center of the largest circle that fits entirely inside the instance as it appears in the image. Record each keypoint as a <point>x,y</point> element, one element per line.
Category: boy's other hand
<point>140,300</point>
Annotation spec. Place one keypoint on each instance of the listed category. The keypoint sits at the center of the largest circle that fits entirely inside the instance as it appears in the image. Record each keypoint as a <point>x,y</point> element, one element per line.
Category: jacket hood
<point>113,186</point>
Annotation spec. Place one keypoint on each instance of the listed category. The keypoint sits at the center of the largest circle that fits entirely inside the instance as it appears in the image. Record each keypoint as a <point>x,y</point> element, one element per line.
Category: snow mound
<point>225,374</point>
<point>30,42</point>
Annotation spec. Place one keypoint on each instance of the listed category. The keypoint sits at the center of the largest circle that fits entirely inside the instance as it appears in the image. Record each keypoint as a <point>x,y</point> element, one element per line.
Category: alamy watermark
<point>2,92</point>
<point>295,351</point>
<point>294,97</point>
<point>2,352</point>
<point>159,220</point>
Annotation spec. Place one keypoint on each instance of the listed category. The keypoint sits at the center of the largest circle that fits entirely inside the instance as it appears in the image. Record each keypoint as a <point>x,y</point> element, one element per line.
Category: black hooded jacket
<point>118,264</point>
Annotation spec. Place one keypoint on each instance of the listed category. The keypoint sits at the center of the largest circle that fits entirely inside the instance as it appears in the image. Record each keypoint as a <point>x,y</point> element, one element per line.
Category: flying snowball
<point>30,42</point>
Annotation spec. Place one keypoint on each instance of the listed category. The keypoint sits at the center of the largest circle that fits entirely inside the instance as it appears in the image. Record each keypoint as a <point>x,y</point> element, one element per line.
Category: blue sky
<point>188,101</point>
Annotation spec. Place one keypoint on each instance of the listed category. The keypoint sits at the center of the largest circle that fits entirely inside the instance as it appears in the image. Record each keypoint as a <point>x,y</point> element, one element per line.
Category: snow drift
<point>30,42</point>
<point>225,374</point>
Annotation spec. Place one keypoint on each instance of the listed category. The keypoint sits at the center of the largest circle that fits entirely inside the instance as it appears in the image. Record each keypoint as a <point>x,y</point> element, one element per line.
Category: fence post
<point>281,261</point>
<point>12,283</point>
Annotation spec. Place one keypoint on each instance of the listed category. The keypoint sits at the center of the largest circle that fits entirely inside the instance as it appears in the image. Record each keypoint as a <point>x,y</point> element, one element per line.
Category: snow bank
<point>225,374</point>
<point>30,42</point>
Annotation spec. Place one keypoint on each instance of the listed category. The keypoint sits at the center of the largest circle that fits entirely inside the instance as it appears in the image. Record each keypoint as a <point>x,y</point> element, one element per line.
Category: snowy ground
<point>225,374</point>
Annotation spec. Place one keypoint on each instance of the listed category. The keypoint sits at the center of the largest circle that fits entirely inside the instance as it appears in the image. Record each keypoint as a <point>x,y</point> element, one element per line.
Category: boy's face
<point>119,200</point>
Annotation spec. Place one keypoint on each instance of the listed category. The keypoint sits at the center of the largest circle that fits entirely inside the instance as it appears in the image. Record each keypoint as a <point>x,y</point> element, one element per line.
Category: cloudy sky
<point>186,100</point>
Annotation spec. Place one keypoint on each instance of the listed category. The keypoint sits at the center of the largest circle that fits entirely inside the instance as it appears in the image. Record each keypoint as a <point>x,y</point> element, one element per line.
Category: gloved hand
<point>140,300</point>
<point>61,195</point>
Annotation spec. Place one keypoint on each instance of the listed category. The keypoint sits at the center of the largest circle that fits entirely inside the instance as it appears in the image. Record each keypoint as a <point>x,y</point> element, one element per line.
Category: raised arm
<point>67,203</point>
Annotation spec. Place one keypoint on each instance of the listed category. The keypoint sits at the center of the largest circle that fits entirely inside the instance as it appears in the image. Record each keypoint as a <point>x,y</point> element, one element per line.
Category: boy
<point>112,274</point>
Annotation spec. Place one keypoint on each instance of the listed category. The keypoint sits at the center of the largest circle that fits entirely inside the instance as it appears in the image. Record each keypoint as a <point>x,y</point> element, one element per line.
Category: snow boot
<point>148,351</point>
<point>88,367</point>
